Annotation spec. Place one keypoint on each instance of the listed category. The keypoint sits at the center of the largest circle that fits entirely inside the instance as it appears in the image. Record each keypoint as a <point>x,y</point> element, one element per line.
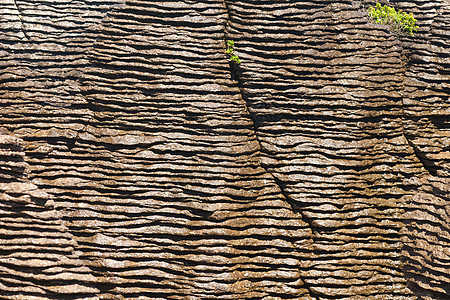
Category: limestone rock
<point>136,162</point>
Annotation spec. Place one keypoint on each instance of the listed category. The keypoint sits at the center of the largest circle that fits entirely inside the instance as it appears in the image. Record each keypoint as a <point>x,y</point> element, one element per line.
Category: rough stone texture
<point>38,256</point>
<point>426,239</point>
<point>426,107</point>
<point>318,169</point>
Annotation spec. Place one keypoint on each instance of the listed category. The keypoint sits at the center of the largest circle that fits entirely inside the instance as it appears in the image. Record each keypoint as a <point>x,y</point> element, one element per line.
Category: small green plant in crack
<point>230,52</point>
<point>399,21</point>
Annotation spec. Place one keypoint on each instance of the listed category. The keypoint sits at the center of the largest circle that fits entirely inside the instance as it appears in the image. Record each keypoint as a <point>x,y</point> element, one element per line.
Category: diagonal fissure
<point>236,75</point>
<point>426,163</point>
<point>22,25</point>
<point>234,69</point>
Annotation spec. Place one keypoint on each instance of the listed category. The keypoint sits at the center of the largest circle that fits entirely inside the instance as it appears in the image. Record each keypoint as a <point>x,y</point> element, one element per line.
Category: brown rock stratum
<point>136,163</point>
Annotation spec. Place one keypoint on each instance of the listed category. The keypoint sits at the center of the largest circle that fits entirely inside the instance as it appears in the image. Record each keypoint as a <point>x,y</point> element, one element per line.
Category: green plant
<point>400,22</point>
<point>230,52</point>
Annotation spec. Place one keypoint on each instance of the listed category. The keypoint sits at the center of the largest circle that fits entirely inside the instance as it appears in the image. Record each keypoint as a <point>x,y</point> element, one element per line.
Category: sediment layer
<point>137,163</point>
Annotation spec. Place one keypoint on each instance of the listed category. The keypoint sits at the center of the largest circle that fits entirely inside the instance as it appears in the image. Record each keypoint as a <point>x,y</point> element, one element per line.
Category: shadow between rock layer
<point>320,174</point>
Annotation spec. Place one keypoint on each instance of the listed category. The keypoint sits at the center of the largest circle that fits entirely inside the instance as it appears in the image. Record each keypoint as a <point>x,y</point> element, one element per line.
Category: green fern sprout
<point>399,22</point>
<point>235,58</point>
<point>230,52</point>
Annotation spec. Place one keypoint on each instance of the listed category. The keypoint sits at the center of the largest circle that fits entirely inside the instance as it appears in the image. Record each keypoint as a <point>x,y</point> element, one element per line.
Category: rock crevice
<point>298,176</point>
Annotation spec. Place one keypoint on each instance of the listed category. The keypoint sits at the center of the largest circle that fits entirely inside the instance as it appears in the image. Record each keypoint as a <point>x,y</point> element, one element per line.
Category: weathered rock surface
<point>136,164</point>
<point>39,257</point>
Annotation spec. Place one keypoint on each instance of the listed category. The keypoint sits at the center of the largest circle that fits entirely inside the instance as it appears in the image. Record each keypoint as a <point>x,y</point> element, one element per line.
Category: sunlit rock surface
<point>136,163</point>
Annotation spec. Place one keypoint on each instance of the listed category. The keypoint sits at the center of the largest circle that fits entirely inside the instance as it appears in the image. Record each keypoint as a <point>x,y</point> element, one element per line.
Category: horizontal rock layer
<point>38,256</point>
<point>426,123</point>
<point>169,174</point>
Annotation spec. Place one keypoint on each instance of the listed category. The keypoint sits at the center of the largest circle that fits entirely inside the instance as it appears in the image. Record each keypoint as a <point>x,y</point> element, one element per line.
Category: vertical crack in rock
<point>235,74</point>
<point>22,25</point>
<point>234,69</point>
<point>83,93</point>
<point>424,109</point>
<point>427,164</point>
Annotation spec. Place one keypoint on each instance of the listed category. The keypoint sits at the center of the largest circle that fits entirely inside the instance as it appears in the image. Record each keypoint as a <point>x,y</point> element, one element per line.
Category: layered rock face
<point>137,163</point>
<point>38,258</point>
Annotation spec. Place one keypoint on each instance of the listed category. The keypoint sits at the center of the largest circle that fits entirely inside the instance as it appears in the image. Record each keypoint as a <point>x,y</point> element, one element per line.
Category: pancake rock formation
<point>138,162</point>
